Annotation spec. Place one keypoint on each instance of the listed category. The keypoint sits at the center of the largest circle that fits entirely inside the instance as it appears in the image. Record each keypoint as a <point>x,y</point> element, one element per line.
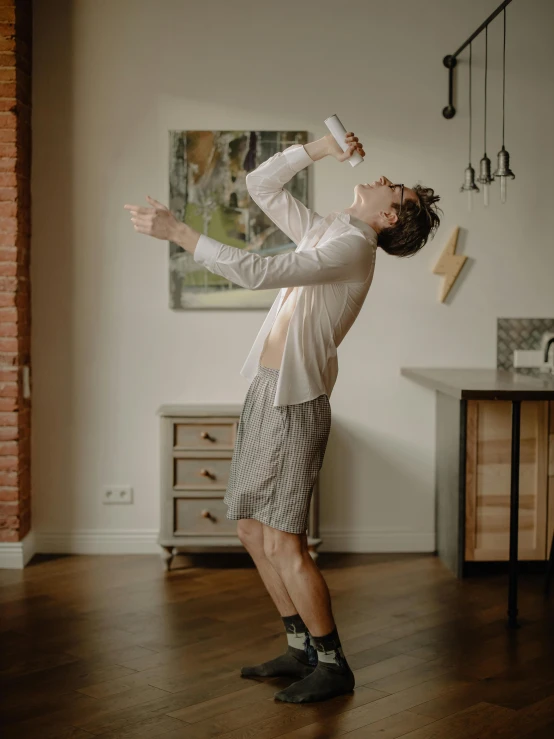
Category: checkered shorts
<point>278,453</point>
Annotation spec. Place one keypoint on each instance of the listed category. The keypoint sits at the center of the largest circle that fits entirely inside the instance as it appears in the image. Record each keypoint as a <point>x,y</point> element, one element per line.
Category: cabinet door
<point>488,458</point>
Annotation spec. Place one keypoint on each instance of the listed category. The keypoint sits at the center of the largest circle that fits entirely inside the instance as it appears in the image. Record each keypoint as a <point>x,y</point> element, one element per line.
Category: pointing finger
<point>156,202</point>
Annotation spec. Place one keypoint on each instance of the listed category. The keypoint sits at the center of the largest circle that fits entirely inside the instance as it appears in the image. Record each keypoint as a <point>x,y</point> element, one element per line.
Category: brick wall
<point>15,232</point>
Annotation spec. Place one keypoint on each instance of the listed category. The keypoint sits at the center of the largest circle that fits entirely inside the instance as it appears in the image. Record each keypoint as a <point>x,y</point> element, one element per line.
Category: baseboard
<point>113,541</point>
<point>376,541</point>
<point>15,555</point>
<point>98,541</point>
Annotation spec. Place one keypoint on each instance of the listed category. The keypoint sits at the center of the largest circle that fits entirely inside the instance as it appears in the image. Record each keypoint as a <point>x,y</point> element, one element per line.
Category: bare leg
<point>250,532</point>
<point>308,591</point>
<point>301,577</point>
<point>297,661</point>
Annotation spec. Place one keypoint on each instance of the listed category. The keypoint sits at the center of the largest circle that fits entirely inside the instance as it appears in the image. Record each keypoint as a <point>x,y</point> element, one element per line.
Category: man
<point>292,368</point>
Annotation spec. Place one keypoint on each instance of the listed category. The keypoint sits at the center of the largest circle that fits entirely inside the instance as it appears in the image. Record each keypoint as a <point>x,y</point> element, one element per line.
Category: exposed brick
<point>8,89</point>
<point>9,432</point>
<point>7,494</point>
<point>8,329</point>
<point>8,464</point>
<point>8,179</point>
<point>7,14</point>
<point>8,164</point>
<point>8,284</point>
<point>8,209</point>
<point>9,404</point>
<point>7,315</point>
<point>8,269</point>
<point>9,419</point>
<point>8,225</point>
<point>8,375</point>
<point>7,193</point>
<point>9,536</point>
<point>7,136</point>
<point>8,104</point>
<point>9,479</point>
<point>6,300</point>
<point>8,345</point>
<point>8,390</point>
<point>7,29</point>
<point>7,74</point>
<point>9,508</point>
<point>7,44</point>
<point>10,522</point>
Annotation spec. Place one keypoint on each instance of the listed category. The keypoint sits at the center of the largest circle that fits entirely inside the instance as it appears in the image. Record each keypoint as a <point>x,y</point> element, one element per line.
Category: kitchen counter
<point>483,384</point>
<point>475,443</point>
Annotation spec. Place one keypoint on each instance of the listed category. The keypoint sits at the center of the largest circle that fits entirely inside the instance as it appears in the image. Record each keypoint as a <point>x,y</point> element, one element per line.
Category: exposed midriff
<point>272,352</point>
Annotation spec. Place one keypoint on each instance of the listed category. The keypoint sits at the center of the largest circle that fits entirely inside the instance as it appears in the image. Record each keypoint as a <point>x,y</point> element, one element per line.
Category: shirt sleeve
<point>265,186</point>
<point>347,258</point>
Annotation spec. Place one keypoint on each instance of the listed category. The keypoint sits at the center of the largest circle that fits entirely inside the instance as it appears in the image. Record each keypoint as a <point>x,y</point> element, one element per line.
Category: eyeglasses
<point>393,187</point>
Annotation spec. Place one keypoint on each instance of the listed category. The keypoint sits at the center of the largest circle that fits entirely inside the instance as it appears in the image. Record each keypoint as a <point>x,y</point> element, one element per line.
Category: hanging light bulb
<point>485,177</point>
<point>503,170</point>
<point>469,175</point>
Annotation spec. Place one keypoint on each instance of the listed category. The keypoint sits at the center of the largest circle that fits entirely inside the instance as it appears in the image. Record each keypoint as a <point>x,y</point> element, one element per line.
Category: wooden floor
<point>115,647</point>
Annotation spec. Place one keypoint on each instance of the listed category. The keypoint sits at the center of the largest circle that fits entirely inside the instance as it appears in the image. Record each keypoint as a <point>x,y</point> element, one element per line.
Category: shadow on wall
<point>53,329</point>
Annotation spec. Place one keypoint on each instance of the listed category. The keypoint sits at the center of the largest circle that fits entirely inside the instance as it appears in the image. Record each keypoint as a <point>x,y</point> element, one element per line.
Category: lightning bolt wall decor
<point>449,264</point>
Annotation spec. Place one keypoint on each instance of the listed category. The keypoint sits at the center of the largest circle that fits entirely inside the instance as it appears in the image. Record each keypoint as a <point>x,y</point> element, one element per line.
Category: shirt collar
<point>369,232</point>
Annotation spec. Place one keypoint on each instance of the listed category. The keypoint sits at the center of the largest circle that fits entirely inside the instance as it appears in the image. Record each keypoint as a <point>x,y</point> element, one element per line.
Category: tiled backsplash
<point>519,333</point>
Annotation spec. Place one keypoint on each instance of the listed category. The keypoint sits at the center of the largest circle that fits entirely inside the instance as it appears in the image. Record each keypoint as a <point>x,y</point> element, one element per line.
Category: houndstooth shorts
<point>278,453</point>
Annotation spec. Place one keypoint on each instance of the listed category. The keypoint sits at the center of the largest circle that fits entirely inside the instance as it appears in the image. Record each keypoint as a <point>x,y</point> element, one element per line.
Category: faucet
<point>547,350</point>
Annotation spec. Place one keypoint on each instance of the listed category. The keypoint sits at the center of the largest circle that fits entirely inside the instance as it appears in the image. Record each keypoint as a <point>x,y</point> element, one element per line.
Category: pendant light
<point>503,170</point>
<point>469,176</point>
<point>485,177</point>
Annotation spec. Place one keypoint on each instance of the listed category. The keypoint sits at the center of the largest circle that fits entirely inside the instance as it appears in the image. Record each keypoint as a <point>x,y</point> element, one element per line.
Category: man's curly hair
<point>415,224</point>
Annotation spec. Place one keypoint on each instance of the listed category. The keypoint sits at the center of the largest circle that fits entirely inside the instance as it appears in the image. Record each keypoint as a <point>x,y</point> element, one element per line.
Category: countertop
<point>483,384</point>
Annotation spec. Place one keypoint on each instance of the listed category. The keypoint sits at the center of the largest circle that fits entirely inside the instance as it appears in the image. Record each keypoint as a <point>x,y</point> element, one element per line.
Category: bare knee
<point>282,548</point>
<point>250,533</point>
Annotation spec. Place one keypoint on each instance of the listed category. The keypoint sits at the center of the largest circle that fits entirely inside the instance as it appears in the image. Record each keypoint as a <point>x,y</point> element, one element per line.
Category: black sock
<point>331,677</point>
<point>299,659</point>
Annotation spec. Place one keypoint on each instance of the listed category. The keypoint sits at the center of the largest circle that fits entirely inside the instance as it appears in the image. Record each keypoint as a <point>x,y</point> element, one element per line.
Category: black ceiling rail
<point>450,60</point>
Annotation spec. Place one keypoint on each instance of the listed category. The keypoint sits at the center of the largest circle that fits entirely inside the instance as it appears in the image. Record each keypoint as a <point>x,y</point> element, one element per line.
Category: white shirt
<point>333,264</point>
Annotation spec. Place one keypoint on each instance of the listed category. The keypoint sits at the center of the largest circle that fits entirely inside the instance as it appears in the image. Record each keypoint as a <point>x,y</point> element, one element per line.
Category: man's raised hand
<point>353,145</point>
<point>157,221</point>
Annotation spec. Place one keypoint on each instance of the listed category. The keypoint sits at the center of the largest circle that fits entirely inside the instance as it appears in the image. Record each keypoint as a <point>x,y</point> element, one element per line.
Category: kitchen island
<point>462,456</point>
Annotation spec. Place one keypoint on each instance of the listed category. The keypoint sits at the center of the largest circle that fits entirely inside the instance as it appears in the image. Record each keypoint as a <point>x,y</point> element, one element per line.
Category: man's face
<point>378,196</point>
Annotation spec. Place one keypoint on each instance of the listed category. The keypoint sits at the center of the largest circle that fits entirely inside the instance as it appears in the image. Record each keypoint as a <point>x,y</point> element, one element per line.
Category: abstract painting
<point>207,190</point>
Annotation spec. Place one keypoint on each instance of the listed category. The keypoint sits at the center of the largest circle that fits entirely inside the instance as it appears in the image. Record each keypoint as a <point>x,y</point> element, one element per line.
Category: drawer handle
<point>207,473</point>
<point>207,514</point>
<point>206,435</point>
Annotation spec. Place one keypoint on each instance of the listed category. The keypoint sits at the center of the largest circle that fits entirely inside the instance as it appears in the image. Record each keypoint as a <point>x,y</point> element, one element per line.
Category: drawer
<point>213,433</point>
<point>205,472</point>
<point>204,517</point>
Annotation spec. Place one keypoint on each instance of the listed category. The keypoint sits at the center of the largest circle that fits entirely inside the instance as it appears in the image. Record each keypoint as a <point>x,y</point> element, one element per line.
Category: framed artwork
<point>207,190</point>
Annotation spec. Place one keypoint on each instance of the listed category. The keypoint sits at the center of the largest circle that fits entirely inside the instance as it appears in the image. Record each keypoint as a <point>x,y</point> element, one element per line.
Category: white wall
<point>110,80</point>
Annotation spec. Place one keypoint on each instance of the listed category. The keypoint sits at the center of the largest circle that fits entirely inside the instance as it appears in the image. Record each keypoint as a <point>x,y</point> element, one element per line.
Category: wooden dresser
<point>196,447</point>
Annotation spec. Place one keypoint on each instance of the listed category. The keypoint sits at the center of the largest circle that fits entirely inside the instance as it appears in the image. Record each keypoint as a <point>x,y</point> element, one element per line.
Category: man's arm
<point>266,188</point>
<point>344,259</point>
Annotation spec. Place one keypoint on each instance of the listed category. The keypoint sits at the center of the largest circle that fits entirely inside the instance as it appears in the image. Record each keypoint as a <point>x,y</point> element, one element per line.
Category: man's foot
<point>288,664</point>
<point>326,681</point>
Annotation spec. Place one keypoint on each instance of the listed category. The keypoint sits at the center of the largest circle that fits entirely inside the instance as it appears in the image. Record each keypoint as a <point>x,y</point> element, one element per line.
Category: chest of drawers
<point>196,448</point>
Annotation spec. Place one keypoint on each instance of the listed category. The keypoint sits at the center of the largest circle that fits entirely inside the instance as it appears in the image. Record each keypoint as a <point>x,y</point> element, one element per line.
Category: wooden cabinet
<point>196,449</point>
<point>487,494</point>
<point>473,463</point>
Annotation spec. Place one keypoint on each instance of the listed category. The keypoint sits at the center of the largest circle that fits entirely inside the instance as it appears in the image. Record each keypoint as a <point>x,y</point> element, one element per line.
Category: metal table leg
<point>514,516</point>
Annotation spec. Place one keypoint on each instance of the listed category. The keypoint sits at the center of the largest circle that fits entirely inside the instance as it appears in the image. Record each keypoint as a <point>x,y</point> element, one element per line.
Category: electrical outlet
<point>113,494</point>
